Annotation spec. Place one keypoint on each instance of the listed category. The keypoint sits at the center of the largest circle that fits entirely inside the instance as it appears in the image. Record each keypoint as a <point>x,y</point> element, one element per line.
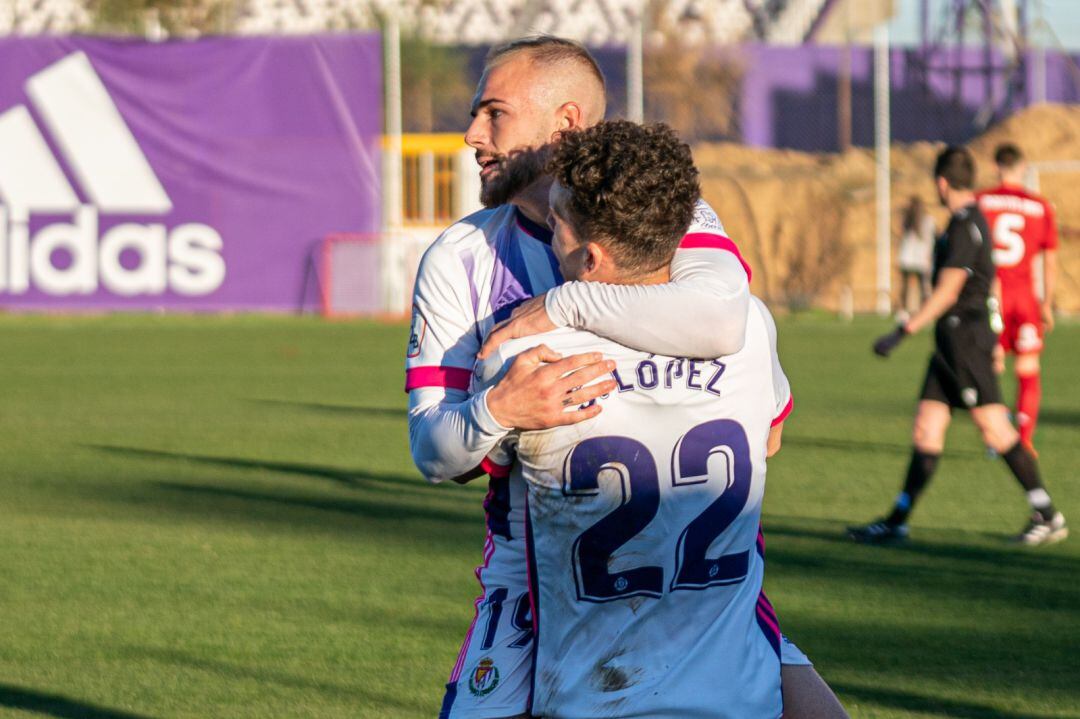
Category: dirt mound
<point>806,221</point>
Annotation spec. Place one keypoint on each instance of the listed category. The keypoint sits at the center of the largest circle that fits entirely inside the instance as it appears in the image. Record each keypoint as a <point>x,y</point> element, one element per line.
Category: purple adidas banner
<point>186,175</point>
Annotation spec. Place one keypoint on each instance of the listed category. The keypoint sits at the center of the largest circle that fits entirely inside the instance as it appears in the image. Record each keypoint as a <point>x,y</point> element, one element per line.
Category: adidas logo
<point>102,155</point>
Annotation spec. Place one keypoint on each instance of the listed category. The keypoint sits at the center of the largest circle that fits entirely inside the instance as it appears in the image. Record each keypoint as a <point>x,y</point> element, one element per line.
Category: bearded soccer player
<point>960,374</point>
<point>475,275</point>
<point>1023,228</point>
<point>642,522</point>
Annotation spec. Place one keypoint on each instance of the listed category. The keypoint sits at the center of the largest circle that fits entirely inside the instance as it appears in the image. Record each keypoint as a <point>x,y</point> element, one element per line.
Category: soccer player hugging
<point>643,522</point>
<point>640,266</point>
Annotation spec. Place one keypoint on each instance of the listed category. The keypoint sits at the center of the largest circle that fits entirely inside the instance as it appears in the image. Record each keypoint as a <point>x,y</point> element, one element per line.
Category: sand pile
<point>806,221</point>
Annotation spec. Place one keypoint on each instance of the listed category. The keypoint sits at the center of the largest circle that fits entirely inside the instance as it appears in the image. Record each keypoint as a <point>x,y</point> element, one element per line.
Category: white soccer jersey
<point>643,535</point>
<point>474,275</point>
<point>471,278</point>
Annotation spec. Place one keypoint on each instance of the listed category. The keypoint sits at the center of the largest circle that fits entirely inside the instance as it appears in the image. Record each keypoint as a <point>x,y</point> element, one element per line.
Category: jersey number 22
<point>639,476</point>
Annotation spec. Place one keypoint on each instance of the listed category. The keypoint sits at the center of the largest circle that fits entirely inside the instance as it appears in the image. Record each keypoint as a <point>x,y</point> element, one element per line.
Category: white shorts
<point>492,678</point>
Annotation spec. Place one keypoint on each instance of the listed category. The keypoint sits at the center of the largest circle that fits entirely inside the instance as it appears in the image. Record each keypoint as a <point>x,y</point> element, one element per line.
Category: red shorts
<point>1023,332</point>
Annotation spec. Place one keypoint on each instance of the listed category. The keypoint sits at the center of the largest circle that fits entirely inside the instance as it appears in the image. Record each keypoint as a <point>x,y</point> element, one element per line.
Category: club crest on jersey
<point>705,218</point>
<point>484,678</point>
<point>416,336</point>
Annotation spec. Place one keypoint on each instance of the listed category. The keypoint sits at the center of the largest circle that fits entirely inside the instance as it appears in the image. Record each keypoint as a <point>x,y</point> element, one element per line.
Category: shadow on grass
<point>948,604</point>
<point>54,705</point>
<point>365,479</point>
<point>854,445</point>
<point>928,543</point>
<point>349,507</point>
<point>340,409</point>
<point>230,670</point>
<point>1059,417</point>
<point>937,706</point>
<point>380,496</point>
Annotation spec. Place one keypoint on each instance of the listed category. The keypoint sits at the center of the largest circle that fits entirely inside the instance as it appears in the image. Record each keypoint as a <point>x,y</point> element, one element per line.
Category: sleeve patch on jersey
<point>784,412</point>
<point>416,336</point>
<point>450,377</point>
<point>704,240</point>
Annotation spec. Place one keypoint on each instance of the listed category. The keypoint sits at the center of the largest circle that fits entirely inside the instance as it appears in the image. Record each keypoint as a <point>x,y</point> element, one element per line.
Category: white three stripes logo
<point>93,138</point>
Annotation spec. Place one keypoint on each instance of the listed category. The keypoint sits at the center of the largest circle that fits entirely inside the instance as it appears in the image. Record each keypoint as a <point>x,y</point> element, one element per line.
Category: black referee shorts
<point>961,370</point>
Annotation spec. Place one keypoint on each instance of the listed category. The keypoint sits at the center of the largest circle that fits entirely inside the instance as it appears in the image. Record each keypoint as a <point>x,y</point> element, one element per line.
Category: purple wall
<point>789,95</point>
<point>265,143</point>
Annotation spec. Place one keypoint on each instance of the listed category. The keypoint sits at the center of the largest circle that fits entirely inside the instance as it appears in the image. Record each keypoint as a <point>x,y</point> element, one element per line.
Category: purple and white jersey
<point>471,278</point>
<point>482,267</point>
<point>643,535</point>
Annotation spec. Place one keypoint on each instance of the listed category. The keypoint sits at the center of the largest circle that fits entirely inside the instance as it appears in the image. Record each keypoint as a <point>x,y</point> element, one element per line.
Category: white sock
<point>1038,498</point>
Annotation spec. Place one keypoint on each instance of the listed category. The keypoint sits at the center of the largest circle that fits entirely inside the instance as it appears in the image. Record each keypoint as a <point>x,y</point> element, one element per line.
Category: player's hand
<point>998,357</point>
<point>529,318</point>
<point>885,344</point>
<point>1048,316</point>
<point>541,384</point>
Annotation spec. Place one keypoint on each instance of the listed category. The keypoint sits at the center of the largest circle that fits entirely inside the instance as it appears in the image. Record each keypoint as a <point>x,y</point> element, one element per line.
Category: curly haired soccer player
<point>475,275</point>
<point>643,522</point>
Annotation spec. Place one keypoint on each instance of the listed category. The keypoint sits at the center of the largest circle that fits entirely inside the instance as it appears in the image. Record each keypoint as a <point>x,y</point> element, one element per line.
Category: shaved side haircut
<point>549,51</point>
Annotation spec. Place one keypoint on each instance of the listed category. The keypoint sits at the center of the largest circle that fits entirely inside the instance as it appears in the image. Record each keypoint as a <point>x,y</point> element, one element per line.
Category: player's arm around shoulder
<point>709,288</point>
<point>537,384</point>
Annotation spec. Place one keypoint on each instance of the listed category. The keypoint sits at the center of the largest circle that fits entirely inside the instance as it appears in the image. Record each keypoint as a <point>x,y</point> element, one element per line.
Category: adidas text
<point>185,259</point>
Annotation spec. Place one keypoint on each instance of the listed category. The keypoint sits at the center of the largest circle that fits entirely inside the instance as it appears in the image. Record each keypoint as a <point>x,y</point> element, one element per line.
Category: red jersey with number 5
<point>1022,225</point>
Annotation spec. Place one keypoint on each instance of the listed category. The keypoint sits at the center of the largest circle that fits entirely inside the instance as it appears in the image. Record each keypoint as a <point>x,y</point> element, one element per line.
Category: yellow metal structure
<point>430,181</point>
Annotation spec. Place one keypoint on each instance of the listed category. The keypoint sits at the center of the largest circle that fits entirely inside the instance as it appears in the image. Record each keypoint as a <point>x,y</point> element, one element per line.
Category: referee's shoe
<point>879,532</point>
<point>1043,531</point>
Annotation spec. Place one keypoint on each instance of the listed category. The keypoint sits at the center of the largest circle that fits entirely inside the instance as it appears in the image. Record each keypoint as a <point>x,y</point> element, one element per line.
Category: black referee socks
<point>1026,470</point>
<point>919,472</point>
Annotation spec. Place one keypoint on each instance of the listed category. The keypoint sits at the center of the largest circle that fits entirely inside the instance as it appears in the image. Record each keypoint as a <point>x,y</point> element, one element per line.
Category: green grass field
<point>218,517</point>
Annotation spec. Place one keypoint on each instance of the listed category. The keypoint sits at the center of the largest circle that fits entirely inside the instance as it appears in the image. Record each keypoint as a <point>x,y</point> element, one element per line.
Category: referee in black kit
<point>961,371</point>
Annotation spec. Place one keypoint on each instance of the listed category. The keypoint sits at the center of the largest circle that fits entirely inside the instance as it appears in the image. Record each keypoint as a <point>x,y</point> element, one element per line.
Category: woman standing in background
<point>916,255</point>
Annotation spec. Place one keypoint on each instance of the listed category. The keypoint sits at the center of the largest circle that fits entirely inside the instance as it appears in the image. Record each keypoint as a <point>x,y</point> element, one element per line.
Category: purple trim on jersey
<point>533,229</point>
<point>497,506</point>
<point>510,283</point>
<point>455,673</point>
<point>766,619</point>
<point>555,272</point>
<point>765,614</point>
<point>468,259</point>
<point>448,700</point>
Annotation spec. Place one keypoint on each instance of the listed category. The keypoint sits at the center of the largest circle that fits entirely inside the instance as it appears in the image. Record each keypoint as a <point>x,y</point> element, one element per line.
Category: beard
<point>517,171</point>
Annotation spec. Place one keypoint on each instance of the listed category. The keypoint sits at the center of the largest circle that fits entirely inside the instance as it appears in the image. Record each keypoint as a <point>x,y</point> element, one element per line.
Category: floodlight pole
<point>635,67</point>
<point>881,153</point>
<point>391,265</point>
<point>392,161</point>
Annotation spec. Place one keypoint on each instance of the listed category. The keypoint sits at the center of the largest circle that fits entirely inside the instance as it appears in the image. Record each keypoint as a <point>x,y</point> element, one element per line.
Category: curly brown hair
<point>631,188</point>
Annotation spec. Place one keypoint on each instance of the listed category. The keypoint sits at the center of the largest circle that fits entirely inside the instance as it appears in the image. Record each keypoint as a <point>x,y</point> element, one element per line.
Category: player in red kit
<point>1022,226</point>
